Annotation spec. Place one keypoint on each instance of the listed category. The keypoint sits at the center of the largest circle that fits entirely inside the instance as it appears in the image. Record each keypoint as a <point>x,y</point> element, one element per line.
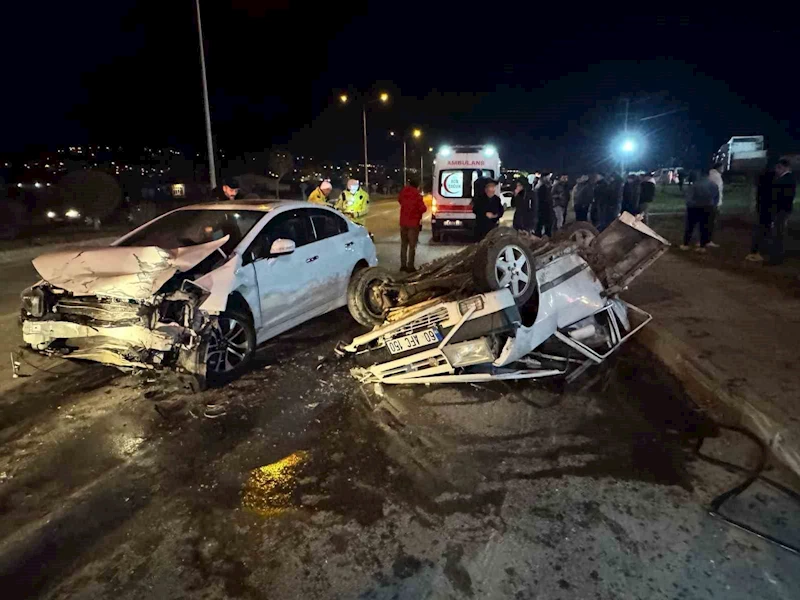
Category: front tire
<point>231,346</point>
<point>363,299</point>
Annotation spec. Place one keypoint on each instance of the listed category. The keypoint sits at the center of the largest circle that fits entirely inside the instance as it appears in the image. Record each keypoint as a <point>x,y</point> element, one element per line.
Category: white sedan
<point>197,288</point>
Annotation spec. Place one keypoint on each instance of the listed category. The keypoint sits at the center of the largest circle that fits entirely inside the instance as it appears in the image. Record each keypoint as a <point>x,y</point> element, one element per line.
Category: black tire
<point>580,232</point>
<point>235,327</point>
<point>506,261</point>
<point>361,302</point>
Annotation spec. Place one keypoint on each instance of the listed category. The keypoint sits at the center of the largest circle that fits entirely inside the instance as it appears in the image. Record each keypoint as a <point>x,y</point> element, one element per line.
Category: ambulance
<point>455,171</point>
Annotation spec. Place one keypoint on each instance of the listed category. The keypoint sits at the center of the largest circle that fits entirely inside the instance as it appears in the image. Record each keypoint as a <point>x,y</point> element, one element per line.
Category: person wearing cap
<point>487,208</point>
<point>227,190</point>
<point>321,193</point>
<point>354,202</point>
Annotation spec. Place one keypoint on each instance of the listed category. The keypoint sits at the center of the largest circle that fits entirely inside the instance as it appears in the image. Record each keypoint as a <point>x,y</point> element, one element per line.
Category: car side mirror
<point>280,247</point>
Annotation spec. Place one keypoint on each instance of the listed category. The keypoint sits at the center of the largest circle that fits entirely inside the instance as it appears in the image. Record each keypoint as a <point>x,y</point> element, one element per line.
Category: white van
<point>455,171</point>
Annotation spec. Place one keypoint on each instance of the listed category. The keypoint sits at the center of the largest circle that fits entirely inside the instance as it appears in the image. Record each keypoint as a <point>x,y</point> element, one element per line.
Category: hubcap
<point>227,346</point>
<point>513,270</point>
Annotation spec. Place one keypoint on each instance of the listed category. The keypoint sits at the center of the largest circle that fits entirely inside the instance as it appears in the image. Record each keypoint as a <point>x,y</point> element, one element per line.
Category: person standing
<point>647,194</point>
<point>700,202</point>
<point>784,189</point>
<point>680,180</point>
<point>583,195</point>
<point>764,215</point>
<point>605,201</point>
<point>629,195</point>
<point>321,193</point>
<point>524,217</point>
<point>560,196</point>
<point>715,175</point>
<point>354,202</point>
<point>544,207</point>
<point>412,207</point>
<point>487,208</point>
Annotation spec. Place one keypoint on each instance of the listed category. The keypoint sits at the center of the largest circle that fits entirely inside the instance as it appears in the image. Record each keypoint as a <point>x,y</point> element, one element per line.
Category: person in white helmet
<point>354,202</point>
<point>321,193</point>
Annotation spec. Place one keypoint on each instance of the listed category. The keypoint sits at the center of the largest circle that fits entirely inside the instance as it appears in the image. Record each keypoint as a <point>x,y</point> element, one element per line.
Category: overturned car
<point>513,307</point>
<point>196,289</point>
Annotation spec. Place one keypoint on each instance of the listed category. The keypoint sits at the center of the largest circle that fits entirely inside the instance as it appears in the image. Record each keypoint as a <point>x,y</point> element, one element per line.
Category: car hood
<point>125,272</point>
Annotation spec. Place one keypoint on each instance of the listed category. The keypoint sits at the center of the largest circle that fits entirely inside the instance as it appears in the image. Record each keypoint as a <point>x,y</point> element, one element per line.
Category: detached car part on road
<point>196,289</point>
<point>512,307</point>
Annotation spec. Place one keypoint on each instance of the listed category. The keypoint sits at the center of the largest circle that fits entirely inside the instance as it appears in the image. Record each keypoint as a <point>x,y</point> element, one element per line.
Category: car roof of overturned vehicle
<point>255,204</point>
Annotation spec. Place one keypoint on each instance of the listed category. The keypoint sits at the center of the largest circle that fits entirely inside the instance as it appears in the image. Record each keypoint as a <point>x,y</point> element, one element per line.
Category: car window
<point>291,225</point>
<point>196,226</point>
<point>327,224</point>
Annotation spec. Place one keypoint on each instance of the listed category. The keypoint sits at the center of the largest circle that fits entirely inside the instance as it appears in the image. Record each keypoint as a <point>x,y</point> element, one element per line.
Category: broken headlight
<point>473,352</point>
<point>465,305</point>
<point>34,303</point>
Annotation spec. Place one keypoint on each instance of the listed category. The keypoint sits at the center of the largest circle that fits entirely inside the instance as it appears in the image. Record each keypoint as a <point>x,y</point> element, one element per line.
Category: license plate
<point>453,223</point>
<point>413,341</point>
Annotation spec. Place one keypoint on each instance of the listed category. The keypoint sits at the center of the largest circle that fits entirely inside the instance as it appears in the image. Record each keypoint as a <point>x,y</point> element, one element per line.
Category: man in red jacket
<point>412,208</point>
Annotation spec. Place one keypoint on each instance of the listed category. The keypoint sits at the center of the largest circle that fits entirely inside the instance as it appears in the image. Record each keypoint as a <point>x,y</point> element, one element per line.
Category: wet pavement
<point>308,485</point>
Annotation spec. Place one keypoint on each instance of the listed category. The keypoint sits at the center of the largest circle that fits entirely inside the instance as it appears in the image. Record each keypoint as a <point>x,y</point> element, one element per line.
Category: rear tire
<point>231,346</point>
<point>436,235</point>
<point>506,261</point>
<point>362,301</point>
<point>579,232</point>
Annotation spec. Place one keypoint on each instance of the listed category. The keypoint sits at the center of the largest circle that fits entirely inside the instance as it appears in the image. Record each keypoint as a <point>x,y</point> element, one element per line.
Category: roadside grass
<point>737,199</point>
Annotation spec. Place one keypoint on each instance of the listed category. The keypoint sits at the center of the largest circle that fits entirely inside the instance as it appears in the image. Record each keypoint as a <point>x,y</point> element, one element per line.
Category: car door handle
<point>312,259</point>
<point>349,244</point>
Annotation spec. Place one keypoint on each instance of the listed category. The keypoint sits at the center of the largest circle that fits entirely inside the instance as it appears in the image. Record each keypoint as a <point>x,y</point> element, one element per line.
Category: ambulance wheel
<point>436,235</point>
<point>506,262</point>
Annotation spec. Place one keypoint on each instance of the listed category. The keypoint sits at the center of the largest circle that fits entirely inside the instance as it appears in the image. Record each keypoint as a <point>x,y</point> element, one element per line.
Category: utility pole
<point>366,161</point>
<point>212,170</point>
<point>405,179</point>
<point>627,105</point>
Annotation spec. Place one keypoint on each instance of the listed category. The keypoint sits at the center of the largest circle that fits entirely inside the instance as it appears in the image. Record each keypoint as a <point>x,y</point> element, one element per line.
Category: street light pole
<point>212,170</point>
<point>405,177</point>
<point>366,161</point>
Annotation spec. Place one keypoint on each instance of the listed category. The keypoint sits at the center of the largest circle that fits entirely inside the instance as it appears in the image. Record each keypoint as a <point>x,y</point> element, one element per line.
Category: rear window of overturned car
<point>192,227</point>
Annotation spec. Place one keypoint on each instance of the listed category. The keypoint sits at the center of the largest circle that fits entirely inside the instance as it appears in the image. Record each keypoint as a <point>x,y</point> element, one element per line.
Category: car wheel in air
<point>581,233</point>
<point>231,345</point>
<point>364,299</point>
<point>506,262</point>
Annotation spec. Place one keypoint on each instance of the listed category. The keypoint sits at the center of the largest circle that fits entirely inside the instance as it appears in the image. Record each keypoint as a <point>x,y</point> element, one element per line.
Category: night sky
<point>548,89</point>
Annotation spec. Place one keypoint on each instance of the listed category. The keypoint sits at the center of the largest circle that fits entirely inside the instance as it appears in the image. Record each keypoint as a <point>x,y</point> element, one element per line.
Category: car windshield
<point>192,227</point>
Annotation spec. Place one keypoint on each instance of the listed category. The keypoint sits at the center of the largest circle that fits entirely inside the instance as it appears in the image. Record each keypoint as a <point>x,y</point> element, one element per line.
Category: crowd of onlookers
<point>542,205</point>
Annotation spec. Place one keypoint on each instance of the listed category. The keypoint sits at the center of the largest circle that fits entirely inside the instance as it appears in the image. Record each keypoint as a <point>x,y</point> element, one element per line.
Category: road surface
<point>311,486</point>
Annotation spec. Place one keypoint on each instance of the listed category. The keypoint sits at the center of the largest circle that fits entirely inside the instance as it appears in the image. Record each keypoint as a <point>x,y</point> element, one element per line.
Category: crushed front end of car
<point>130,307</point>
<point>573,319</point>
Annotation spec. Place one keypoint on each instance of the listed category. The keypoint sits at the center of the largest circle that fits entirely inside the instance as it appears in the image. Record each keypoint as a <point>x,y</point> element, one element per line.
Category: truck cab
<point>456,169</point>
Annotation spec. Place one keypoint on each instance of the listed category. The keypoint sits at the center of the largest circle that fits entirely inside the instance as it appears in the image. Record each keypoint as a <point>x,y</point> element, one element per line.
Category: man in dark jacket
<point>412,207</point>
<point>583,195</point>
<point>605,201</point>
<point>226,191</point>
<point>764,215</point>
<point>647,193</point>
<point>701,200</point>
<point>524,217</point>
<point>630,195</point>
<point>784,188</point>
<point>487,208</point>
<point>544,207</point>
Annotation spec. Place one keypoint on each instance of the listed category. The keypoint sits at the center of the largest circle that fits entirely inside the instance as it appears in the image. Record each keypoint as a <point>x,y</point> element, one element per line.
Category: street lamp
<point>383,98</point>
<point>211,167</point>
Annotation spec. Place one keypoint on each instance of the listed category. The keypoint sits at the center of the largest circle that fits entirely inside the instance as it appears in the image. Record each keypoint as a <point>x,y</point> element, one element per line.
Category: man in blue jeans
<point>701,201</point>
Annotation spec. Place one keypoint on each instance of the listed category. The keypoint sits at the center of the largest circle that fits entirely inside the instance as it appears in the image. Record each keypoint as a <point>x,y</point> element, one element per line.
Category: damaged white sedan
<point>196,289</point>
<point>513,307</point>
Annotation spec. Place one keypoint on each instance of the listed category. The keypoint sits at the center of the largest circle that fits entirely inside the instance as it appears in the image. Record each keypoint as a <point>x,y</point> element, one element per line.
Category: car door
<point>337,252</point>
<point>288,285</point>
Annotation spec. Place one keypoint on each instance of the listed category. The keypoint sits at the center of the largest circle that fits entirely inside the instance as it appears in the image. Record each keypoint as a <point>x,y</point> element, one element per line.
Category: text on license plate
<point>415,340</point>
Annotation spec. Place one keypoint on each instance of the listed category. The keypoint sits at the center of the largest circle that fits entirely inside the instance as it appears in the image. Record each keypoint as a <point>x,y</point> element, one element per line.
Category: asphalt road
<point>311,486</point>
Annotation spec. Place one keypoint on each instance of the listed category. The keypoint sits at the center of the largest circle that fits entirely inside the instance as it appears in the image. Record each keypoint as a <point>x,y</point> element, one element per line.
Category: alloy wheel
<point>513,270</point>
<point>227,345</point>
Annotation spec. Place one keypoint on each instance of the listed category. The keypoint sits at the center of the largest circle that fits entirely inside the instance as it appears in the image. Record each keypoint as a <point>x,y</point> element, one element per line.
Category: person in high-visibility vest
<point>354,202</point>
<point>321,193</point>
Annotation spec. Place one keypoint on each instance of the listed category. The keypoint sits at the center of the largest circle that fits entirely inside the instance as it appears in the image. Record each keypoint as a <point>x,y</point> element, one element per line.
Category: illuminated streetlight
<point>384,97</point>
<point>391,133</point>
<point>628,146</point>
<point>343,98</point>
<point>416,133</point>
